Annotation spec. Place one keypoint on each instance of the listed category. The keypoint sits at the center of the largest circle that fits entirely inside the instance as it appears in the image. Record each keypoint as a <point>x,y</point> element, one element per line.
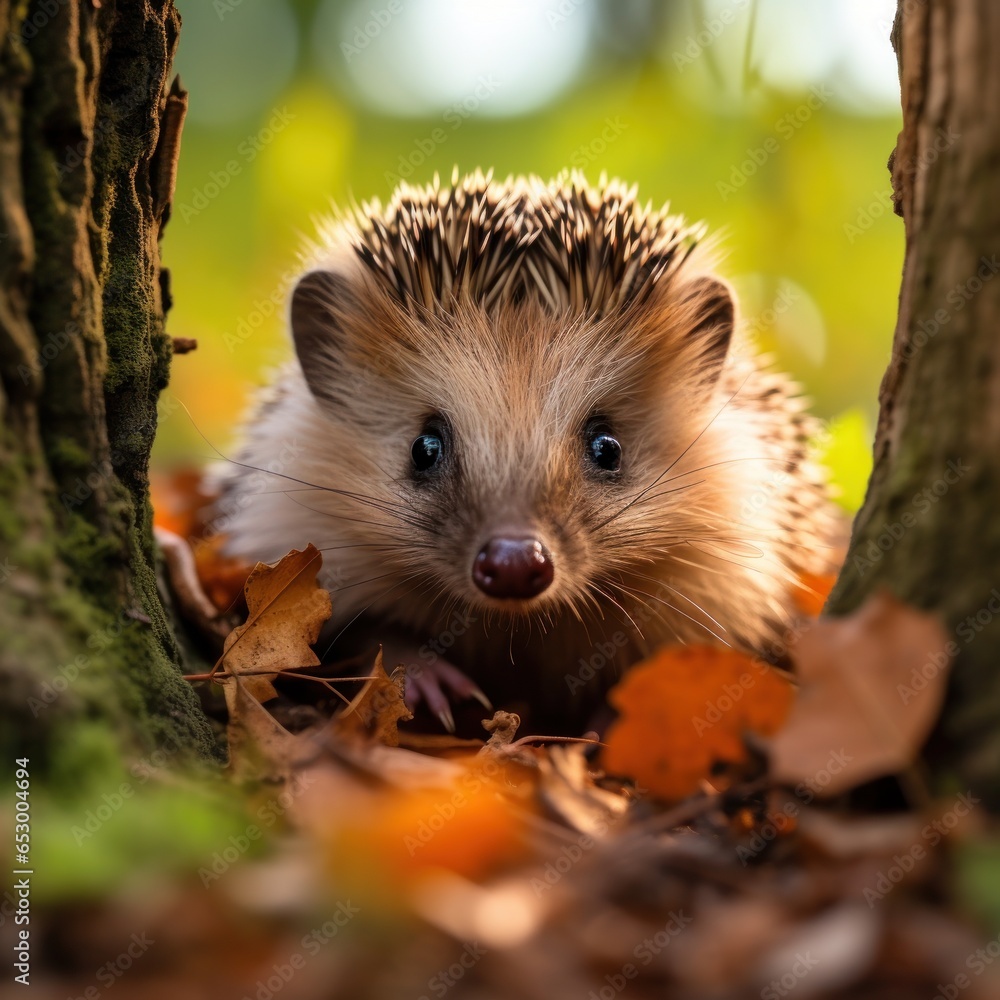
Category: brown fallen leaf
<point>866,702</point>
<point>259,746</point>
<point>566,788</point>
<point>375,712</point>
<point>287,610</point>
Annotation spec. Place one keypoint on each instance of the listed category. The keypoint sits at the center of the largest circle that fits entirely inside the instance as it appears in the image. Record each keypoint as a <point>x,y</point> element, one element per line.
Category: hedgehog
<point>522,428</point>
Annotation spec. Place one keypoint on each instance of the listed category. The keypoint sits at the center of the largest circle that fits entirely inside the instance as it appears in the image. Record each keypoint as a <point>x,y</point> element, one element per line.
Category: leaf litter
<point>714,847</point>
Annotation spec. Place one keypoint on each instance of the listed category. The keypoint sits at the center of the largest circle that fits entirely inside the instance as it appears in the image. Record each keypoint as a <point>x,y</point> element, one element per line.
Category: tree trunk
<point>929,529</point>
<point>88,142</point>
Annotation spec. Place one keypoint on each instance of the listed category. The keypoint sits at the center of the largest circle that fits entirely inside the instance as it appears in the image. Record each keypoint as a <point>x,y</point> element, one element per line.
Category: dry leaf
<point>566,788</point>
<point>376,710</point>
<point>686,709</point>
<point>466,827</point>
<point>222,577</point>
<point>259,746</point>
<point>287,610</point>
<point>872,684</point>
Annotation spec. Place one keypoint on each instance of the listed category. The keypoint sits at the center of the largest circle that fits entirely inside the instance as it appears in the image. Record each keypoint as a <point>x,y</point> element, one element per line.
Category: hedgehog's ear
<point>324,307</point>
<point>705,311</point>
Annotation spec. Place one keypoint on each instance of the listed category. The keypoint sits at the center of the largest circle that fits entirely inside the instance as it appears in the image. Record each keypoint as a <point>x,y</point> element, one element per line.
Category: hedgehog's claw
<point>425,682</point>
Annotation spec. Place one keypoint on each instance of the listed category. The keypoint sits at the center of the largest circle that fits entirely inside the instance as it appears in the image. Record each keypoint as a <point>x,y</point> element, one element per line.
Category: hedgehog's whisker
<point>634,591</point>
<point>608,597</point>
<point>692,443</point>
<point>683,597</point>
<point>378,597</point>
<point>653,611</point>
<point>690,472</point>
<point>410,521</point>
<point>361,497</point>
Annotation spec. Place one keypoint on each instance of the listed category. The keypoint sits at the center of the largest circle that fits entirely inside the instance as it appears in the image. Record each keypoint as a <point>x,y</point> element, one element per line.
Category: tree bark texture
<point>929,529</point>
<point>88,135</point>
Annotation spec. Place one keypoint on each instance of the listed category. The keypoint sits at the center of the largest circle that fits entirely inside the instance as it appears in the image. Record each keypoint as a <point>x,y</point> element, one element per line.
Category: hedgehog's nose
<point>512,567</point>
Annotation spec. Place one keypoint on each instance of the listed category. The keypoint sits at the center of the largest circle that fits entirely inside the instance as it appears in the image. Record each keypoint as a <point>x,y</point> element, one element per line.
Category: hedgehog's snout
<point>513,568</point>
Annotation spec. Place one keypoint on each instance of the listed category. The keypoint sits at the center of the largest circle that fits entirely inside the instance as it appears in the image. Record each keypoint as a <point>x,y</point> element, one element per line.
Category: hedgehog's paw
<point>426,682</point>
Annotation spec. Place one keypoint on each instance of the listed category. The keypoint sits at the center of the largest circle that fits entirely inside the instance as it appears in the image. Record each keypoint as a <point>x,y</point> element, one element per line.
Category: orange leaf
<point>811,593</point>
<point>178,499</point>
<point>467,828</point>
<point>222,577</point>
<point>686,709</point>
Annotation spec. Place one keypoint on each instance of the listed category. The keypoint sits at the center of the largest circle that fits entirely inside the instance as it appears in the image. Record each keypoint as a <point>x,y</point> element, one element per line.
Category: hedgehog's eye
<point>603,448</point>
<point>426,451</point>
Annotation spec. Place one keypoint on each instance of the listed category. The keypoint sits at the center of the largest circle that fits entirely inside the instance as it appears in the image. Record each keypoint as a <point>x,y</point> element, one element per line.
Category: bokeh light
<point>770,119</point>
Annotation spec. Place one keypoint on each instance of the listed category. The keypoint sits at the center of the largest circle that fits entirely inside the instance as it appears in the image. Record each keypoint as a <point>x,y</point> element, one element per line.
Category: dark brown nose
<point>512,567</point>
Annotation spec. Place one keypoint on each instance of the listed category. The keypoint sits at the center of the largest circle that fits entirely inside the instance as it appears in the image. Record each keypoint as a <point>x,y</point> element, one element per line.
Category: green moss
<point>120,827</point>
<point>89,551</point>
<point>69,454</point>
<point>89,667</point>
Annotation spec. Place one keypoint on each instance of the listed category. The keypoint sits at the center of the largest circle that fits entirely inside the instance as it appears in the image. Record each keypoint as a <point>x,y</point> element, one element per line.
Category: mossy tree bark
<point>88,136</point>
<point>929,529</point>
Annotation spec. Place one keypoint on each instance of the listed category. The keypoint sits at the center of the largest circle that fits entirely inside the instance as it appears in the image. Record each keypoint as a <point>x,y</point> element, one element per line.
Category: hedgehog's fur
<point>518,310</point>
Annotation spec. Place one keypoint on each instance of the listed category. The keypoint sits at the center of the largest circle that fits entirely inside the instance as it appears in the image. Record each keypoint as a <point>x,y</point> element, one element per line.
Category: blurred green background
<point>770,119</point>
